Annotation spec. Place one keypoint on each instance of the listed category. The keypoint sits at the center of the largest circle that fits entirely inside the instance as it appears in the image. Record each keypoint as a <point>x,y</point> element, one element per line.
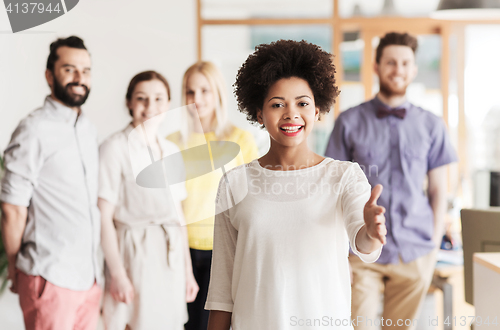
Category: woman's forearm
<point>187,253</point>
<point>364,243</point>
<point>109,240</point>
<point>219,320</point>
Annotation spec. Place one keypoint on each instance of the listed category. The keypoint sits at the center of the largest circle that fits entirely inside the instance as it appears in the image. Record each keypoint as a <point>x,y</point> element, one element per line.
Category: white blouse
<point>281,243</point>
<point>136,205</point>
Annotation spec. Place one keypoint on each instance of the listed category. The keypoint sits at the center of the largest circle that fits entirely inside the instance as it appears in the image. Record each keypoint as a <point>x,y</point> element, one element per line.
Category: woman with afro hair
<point>284,221</point>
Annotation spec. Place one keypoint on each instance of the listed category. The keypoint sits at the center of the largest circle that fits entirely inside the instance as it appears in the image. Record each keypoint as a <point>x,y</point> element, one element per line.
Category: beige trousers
<point>404,287</point>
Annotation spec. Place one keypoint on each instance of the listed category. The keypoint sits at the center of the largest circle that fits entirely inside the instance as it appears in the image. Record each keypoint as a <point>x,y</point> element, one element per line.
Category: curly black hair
<point>284,59</point>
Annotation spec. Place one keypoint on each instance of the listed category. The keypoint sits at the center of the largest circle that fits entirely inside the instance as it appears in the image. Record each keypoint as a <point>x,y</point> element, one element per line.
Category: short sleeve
<point>23,161</point>
<point>224,248</point>
<point>354,197</point>
<point>110,171</point>
<point>441,151</point>
<point>337,147</point>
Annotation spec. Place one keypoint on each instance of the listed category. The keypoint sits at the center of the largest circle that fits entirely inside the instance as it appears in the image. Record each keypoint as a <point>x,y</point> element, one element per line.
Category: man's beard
<point>388,91</point>
<point>62,94</point>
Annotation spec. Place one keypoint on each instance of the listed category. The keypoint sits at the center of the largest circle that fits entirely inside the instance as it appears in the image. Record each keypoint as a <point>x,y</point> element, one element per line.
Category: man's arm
<point>437,188</point>
<point>13,224</point>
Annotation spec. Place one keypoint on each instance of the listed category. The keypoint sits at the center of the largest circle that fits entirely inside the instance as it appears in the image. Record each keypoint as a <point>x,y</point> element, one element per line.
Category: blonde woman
<point>148,267</point>
<point>203,87</point>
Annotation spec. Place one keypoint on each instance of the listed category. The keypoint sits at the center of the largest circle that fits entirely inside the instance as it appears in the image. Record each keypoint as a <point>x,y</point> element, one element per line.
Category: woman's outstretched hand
<point>374,216</point>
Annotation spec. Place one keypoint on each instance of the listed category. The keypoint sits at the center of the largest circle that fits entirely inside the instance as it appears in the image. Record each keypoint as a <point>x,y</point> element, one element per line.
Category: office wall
<point>124,37</point>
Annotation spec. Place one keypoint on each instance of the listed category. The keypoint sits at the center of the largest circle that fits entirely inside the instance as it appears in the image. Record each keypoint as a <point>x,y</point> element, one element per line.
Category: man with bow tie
<point>398,145</point>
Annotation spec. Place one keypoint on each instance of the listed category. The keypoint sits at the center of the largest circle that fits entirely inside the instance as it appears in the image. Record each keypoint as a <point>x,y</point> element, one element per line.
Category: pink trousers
<point>49,307</point>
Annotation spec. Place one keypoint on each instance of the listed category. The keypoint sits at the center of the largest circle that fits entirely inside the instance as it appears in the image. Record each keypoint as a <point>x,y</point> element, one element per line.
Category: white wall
<point>124,37</point>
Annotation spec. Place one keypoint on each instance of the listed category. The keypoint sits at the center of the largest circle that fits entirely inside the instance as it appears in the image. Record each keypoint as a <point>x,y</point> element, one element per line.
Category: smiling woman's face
<point>149,99</point>
<point>289,111</point>
<point>199,92</point>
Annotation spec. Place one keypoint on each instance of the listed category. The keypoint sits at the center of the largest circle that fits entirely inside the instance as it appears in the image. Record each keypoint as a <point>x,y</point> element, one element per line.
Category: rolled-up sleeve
<point>110,172</point>
<point>23,160</point>
<point>355,195</point>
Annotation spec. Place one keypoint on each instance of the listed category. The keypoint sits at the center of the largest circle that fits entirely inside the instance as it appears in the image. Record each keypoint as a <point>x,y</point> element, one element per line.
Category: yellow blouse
<point>199,206</point>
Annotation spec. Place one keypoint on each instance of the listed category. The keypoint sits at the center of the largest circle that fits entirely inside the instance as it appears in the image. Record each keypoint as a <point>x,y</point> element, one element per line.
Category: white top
<point>120,156</point>
<point>280,254</point>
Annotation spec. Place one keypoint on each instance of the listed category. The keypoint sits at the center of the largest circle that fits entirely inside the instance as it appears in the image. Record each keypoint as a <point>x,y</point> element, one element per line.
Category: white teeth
<point>292,129</point>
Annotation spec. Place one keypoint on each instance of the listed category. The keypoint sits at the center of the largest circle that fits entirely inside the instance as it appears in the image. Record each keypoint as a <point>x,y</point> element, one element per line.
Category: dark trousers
<point>198,316</point>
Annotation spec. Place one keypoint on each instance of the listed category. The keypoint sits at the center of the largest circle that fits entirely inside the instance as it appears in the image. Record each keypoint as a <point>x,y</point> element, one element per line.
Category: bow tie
<point>383,112</point>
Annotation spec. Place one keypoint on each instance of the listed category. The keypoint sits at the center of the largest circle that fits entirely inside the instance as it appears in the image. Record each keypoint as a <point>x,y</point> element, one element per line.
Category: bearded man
<point>399,145</point>
<point>50,220</point>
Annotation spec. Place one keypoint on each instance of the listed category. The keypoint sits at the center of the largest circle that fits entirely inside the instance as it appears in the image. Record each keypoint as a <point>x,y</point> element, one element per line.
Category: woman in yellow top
<point>204,92</point>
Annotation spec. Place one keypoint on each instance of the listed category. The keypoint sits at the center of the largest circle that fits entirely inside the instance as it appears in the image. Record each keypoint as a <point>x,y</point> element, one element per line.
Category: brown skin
<point>289,102</point>
<point>219,320</point>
